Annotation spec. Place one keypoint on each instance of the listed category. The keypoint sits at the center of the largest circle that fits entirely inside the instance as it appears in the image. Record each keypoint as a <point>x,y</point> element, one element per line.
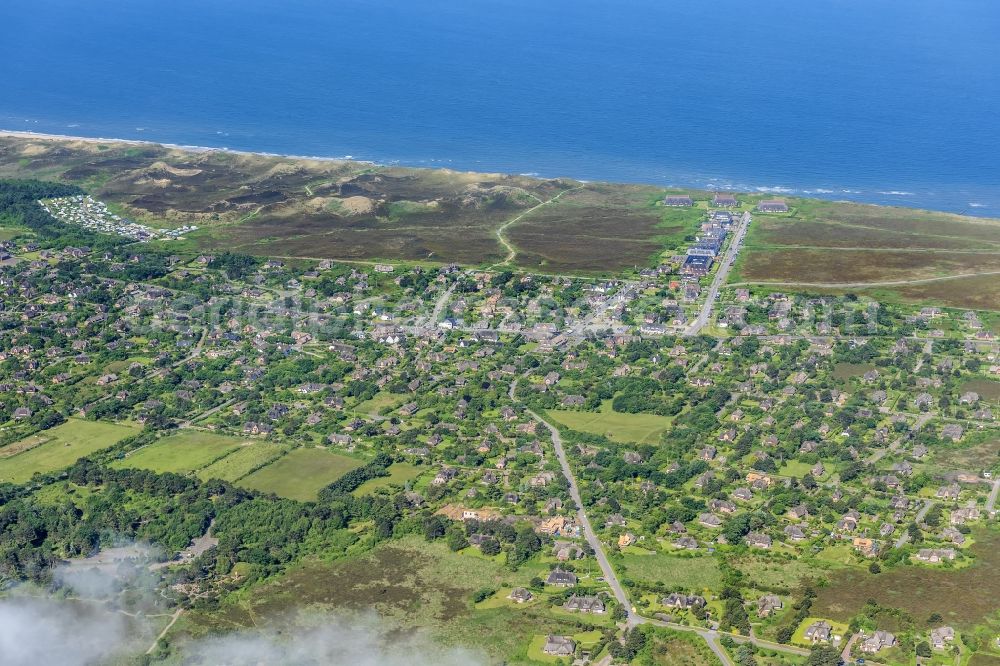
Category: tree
<point>490,547</point>
<point>923,649</point>
<point>456,539</point>
<point>823,656</point>
<point>435,527</point>
<point>745,655</point>
<point>735,615</point>
<point>526,544</point>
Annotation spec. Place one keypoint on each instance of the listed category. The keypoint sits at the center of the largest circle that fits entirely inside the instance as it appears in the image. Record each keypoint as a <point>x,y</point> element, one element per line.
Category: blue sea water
<point>888,101</point>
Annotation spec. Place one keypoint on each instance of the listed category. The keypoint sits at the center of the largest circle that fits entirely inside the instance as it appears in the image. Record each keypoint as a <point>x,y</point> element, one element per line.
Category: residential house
<point>772,206</point>
<point>941,636</point>
<point>935,555</point>
<point>819,632</point>
<point>560,578</point>
<point>768,604</point>
<point>877,641</point>
<point>559,646</point>
<point>683,601</point>
<point>585,604</point>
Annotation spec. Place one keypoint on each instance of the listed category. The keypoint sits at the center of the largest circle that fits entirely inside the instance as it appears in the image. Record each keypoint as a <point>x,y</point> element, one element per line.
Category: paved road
<point>441,302</point>
<point>720,276</point>
<point>905,536</point>
<point>845,654</point>
<point>710,636</point>
<point>991,503</point>
<point>588,531</point>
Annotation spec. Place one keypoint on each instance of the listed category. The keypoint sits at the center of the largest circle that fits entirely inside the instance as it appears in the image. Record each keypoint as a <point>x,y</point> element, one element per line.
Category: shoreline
<point>24,134</point>
<point>819,194</point>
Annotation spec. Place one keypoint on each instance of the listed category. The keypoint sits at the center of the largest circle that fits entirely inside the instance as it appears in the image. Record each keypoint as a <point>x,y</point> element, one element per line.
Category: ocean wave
<point>777,189</point>
<point>898,193</point>
<point>976,205</point>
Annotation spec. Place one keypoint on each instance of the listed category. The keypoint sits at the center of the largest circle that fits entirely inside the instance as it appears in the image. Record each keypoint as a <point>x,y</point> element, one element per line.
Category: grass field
<point>844,371</point>
<point>6,233</point>
<point>381,401</point>
<point>399,474</point>
<point>301,473</point>
<point>770,572</point>
<point>598,228</point>
<point>641,428</point>
<point>795,468</point>
<point>242,461</point>
<point>65,444</point>
<point>181,453</point>
<point>692,573</point>
<point>964,597</point>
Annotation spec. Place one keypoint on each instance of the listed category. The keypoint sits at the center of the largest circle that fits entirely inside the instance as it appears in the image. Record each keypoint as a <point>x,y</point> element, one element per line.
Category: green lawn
<point>65,444</point>
<point>641,428</point>
<point>181,453</point>
<point>799,637</point>
<point>536,651</point>
<point>242,461</point>
<point>301,473</point>
<point>693,573</point>
<point>798,469</point>
<point>399,474</point>
<point>7,233</point>
<point>380,402</point>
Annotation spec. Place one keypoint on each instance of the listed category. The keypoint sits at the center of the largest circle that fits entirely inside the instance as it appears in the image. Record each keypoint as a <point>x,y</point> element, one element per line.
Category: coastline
<point>23,134</point>
<point>821,194</point>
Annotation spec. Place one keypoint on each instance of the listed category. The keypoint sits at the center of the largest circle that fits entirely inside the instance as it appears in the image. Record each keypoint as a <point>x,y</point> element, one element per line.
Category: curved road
<point>633,619</point>
<point>711,636</point>
<point>588,530</point>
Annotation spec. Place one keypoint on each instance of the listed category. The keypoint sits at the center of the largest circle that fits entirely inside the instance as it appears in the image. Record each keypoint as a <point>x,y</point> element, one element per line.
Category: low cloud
<point>48,631</point>
<point>95,625</point>
<point>361,642</point>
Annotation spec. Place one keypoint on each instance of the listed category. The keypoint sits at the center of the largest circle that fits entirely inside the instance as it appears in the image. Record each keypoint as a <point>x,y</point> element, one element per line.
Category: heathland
<point>287,207</point>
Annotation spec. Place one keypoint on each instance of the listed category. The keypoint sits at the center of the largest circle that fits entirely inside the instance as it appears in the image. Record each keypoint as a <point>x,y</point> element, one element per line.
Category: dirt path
<point>511,250</point>
<point>173,619</point>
